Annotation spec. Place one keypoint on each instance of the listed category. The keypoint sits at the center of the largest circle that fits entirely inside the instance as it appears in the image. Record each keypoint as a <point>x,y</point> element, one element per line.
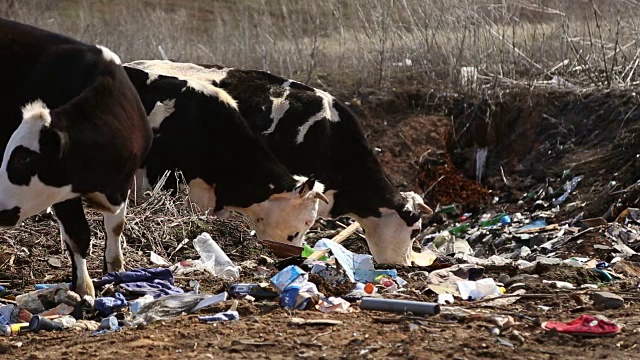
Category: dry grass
<point>353,45</point>
<point>160,222</point>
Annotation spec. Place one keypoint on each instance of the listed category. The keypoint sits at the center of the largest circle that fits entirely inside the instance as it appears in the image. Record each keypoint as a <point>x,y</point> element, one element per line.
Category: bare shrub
<point>360,44</point>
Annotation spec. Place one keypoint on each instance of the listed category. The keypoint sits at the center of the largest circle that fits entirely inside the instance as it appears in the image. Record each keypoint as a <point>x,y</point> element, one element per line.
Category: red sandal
<point>585,325</point>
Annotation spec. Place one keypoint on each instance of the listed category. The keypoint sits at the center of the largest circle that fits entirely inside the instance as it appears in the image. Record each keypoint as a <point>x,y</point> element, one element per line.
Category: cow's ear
<point>307,186</point>
<point>307,189</point>
<point>423,208</point>
<point>53,141</point>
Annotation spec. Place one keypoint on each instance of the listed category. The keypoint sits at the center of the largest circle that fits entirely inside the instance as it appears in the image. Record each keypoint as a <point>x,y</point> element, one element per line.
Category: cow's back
<point>27,53</point>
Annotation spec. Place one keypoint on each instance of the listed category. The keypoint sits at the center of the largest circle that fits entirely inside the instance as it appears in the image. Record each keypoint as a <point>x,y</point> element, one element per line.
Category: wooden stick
<point>338,239</point>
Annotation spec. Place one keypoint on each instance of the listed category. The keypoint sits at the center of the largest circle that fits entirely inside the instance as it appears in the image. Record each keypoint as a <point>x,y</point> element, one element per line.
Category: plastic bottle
<point>214,258</point>
<point>136,304</point>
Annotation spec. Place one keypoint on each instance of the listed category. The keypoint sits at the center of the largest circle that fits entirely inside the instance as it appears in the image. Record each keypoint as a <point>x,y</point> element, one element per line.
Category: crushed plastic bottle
<point>214,258</point>
<point>169,306</point>
<point>136,304</point>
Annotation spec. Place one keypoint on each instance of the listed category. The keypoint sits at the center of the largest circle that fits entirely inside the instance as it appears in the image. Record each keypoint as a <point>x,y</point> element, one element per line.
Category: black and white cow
<point>199,131</point>
<point>73,128</point>
<point>311,132</point>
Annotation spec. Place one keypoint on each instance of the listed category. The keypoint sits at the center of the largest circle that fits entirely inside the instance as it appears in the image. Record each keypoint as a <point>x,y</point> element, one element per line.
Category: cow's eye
<point>291,237</point>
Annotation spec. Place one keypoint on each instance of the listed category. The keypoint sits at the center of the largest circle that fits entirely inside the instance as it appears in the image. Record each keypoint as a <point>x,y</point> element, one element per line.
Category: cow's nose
<point>10,217</point>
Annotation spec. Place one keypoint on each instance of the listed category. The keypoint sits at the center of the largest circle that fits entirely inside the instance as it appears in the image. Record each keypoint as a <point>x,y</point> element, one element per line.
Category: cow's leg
<point>113,226</point>
<point>76,234</point>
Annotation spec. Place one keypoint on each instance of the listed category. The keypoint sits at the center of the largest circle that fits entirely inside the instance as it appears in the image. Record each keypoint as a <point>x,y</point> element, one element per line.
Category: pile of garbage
<point>457,268</point>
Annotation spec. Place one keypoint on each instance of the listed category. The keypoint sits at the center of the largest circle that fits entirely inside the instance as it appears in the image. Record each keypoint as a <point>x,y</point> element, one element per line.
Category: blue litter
<point>44,286</point>
<point>365,276</point>
<point>603,275</point>
<point>540,223</point>
<point>155,282</point>
<point>106,331</point>
<point>287,276</point>
<point>107,304</point>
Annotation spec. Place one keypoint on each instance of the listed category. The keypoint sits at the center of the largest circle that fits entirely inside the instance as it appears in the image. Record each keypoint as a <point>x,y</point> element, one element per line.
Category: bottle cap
<point>369,288</point>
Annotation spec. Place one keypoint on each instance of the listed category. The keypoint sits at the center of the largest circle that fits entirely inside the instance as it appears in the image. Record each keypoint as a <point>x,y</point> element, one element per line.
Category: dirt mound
<point>403,141</point>
<point>443,184</point>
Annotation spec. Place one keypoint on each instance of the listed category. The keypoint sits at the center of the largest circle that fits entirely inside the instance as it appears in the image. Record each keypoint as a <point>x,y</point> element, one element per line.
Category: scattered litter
<point>333,304</point>
<point>229,315</point>
<point>157,259</point>
<point>214,258</point>
<point>169,306</point>
<point>320,322</point>
<point>445,299</point>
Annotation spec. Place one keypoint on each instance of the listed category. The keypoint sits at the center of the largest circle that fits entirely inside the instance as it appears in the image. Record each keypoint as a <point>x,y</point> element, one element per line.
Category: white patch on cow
<point>202,195</point>
<point>37,196</point>
<point>271,186</point>
<point>388,237</point>
<point>161,111</point>
<point>180,70</point>
<point>84,286</point>
<point>141,183</point>
<point>36,111</point>
<point>109,55</point>
<point>113,225</point>
<point>285,217</point>
<point>152,76</point>
<point>328,112</point>
<point>210,90</point>
<point>415,202</point>
<point>279,107</point>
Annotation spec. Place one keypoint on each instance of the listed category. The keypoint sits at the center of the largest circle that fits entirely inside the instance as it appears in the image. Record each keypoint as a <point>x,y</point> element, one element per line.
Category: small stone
<point>607,300</point>
<point>503,278</point>
<point>54,262</point>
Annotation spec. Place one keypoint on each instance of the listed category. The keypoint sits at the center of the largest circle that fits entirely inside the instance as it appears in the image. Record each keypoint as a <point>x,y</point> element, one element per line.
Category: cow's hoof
<point>85,288</point>
<point>115,265</point>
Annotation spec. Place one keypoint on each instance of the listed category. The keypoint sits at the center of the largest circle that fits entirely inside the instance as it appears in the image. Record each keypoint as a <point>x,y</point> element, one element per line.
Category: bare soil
<point>532,139</point>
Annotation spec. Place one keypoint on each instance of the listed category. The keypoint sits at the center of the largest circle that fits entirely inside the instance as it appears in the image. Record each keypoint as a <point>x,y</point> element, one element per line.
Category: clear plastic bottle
<point>214,258</point>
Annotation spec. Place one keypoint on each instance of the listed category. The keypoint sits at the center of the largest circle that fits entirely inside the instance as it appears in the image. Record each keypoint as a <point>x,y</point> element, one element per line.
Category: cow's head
<point>32,176</point>
<point>390,236</point>
<point>286,217</point>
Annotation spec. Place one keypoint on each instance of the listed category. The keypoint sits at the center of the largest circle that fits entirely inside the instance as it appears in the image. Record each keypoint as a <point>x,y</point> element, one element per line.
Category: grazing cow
<point>301,123</point>
<point>199,131</point>
<point>73,129</point>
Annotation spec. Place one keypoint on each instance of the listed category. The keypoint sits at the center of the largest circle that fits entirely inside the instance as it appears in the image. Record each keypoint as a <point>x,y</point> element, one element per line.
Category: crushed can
<point>254,290</point>
<point>14,329</point>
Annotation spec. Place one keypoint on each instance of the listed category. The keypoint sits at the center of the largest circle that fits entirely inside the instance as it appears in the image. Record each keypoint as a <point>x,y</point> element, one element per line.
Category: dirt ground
<point>531,139</point>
